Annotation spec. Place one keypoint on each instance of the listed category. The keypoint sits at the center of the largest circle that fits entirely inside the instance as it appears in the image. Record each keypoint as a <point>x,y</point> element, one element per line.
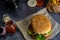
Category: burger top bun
<point>40,24</point>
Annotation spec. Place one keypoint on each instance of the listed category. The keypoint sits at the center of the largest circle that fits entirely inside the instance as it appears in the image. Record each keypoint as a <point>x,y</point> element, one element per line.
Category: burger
<point>40,27</point>
<point>54,6</point>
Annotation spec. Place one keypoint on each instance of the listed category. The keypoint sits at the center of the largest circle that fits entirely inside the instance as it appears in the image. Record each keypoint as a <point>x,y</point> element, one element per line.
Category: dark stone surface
<point>21,12</point>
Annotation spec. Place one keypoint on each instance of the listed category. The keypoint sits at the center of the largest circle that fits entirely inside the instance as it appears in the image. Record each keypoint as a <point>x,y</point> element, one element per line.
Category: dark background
<point>19,13</point>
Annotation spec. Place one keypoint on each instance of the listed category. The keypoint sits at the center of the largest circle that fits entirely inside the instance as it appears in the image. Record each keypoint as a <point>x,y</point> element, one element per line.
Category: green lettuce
<point>29,32</point>
<point>40,37</point>
<point>49,32</point>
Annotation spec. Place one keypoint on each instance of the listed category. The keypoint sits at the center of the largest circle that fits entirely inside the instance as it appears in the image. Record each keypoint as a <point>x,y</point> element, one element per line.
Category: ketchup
<point>10,27</point>
<point>40,3</point>
<point>9,23</point>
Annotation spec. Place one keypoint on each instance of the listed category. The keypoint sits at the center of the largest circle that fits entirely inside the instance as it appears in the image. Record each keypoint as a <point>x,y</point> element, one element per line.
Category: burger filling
<point>39,36</point>
<point>48,33</point>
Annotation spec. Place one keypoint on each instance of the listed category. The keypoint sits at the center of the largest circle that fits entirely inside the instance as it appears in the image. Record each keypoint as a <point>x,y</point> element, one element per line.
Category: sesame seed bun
<point>40,24</point>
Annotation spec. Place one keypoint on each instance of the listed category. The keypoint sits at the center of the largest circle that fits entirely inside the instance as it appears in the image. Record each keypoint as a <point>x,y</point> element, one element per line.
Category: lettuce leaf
<point>29,32</point>
<point>49,32</point>
<point>40,37</point>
